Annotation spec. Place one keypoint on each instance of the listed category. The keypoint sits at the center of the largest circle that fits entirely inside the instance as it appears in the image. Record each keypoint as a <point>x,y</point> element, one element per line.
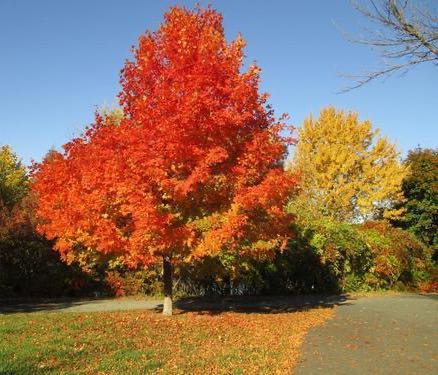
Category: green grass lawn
<point>141,342</point>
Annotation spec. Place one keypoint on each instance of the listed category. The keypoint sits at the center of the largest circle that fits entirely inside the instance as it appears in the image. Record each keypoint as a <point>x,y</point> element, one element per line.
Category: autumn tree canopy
<point>192,168</point>
<point>347,171</point>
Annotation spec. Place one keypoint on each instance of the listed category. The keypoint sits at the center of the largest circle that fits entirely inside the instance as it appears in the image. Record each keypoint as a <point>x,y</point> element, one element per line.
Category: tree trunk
<point>167,280</point>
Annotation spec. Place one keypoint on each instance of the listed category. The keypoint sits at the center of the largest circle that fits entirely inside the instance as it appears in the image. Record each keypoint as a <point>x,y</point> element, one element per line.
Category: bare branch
<point>405,33</point>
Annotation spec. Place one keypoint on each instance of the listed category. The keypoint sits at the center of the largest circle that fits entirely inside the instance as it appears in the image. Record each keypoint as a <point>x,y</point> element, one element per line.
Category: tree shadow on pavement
<point>78,305</point>
<point>201,305</point>
<point>42,305</point>
<point>258,304</point>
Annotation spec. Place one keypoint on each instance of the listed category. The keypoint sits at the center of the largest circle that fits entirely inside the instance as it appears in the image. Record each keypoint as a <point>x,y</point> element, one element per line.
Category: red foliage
<point>116,284</point>
<point>195,165</point>
<point>20,220</point>
<point>429,287</point>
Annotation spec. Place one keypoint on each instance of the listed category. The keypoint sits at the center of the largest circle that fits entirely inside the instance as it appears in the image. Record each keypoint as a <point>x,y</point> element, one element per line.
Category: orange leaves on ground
<point>196,143</point>
<point>146,342</point>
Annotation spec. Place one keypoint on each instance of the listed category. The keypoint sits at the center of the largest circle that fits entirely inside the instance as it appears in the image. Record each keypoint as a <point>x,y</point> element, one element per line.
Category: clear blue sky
<point>59,60</point>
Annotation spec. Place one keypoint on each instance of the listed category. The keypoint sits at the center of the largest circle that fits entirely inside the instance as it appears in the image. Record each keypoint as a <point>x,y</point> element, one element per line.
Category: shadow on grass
<point>14,368</point>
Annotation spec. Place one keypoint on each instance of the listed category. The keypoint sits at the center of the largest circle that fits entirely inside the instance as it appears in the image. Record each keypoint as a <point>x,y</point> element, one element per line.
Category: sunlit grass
<point>141,342</point>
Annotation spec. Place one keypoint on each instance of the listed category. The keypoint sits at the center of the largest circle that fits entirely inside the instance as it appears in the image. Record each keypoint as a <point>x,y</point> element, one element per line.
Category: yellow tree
<point>13,178</point>
<point>348,172</point>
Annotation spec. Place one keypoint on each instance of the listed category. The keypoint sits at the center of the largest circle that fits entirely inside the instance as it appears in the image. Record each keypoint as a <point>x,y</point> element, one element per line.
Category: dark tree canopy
<point>421,191</point>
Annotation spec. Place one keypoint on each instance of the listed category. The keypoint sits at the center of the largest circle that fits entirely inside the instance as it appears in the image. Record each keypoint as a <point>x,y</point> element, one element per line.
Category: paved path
<point>213,305</point>
<point>394,335</point>
<point>85,305</point>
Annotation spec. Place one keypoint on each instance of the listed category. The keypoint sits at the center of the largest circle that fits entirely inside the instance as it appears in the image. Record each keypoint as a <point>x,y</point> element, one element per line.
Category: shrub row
<point>324,256</point>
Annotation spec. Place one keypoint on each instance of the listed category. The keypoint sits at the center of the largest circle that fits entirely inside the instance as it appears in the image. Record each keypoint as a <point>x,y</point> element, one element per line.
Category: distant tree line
<point>334,246</point>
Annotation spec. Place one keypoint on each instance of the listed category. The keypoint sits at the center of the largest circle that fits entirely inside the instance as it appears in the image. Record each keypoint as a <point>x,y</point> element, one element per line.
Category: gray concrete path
<point>394,335</point>
<point>90,305</point>
<point>209,305</point>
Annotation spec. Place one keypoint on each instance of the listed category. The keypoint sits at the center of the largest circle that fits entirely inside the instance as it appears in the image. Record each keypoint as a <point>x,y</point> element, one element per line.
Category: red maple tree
<point>193,167</point>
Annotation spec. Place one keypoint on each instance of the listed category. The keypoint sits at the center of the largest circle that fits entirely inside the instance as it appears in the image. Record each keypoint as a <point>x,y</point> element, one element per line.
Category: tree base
<point>167,306</point>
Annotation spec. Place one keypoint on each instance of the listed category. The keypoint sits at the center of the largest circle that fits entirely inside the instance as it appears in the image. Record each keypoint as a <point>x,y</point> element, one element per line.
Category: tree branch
<point>405,34</point>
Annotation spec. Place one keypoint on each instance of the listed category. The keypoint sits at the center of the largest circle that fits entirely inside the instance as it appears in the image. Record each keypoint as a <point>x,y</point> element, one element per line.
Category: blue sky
<point>60,60</point>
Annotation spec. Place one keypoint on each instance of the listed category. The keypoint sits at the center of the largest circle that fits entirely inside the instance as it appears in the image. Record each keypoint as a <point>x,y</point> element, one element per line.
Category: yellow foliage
<point>13,178</point>
<point>348,172</point>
